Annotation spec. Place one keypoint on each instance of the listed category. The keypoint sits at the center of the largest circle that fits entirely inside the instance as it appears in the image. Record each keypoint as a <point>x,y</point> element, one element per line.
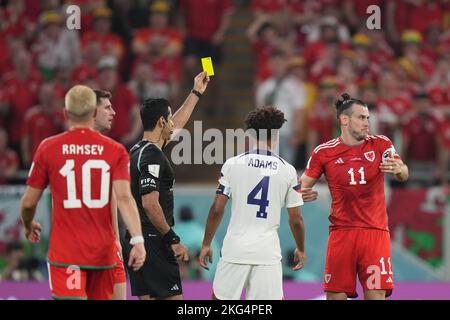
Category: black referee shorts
<point>159,277</point>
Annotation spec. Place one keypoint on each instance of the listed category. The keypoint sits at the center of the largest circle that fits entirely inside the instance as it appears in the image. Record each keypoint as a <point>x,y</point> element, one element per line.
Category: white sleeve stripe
<point>140,155</point>
<point>326,143</point>
<point>295,204</point>
<point>326,146</point>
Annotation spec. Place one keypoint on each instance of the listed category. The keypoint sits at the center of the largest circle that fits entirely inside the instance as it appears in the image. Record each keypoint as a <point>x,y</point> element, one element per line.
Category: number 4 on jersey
<point>263,203</point>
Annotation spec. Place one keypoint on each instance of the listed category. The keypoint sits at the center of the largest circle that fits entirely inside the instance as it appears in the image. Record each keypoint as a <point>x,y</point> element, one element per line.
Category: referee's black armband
<point>171,237</point>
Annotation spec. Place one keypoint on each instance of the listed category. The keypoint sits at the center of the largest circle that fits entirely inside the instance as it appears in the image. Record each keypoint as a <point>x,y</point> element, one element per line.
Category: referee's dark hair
<point>344,104</point>
<point>265,118</point>
<point>153,109</point>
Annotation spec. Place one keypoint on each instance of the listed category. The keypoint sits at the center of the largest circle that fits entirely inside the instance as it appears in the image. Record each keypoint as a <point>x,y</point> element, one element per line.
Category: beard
<point>359,136</point>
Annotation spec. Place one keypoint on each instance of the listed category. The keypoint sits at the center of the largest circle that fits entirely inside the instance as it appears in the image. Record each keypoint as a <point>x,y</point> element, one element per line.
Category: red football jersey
<point>80,166</point>
<point>355,181</point>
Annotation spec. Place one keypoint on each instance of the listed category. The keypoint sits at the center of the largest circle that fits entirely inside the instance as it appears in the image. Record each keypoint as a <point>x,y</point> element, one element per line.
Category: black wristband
<point>197,93</point>
<point>171,237</point>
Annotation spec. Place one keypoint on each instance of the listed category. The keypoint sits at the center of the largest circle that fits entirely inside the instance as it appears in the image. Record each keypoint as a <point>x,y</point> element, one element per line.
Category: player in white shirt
<point>260,184</point>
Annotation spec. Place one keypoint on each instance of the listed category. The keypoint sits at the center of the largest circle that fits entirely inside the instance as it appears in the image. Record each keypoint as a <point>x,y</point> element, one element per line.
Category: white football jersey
<point>260,184</point>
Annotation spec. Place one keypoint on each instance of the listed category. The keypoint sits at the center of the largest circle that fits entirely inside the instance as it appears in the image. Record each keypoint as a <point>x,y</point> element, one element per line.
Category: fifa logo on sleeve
<point>73,282</point>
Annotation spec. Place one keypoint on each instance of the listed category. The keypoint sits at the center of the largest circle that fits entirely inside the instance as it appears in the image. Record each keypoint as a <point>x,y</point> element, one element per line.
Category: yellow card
<point>208,66</point>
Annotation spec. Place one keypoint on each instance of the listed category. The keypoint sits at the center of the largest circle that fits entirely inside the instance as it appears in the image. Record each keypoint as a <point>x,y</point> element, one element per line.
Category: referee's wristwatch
<point>171,237</point>
<point>136,240</point>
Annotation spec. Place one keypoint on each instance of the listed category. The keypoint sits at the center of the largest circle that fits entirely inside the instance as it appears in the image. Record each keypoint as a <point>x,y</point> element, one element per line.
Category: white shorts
<point>263,282</point>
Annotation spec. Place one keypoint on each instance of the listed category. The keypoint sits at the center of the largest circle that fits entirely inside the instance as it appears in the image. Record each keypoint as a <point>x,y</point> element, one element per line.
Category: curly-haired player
<point>261,184</point>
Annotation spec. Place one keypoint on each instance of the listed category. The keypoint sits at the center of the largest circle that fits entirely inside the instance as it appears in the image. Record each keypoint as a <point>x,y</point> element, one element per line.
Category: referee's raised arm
<point>182,115</point>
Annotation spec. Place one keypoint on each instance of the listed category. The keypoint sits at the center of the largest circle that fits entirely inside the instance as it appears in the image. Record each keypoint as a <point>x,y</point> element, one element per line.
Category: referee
<point>152,179</point>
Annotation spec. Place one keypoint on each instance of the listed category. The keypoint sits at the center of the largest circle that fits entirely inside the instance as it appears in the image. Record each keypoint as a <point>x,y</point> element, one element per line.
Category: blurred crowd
<point>134,49</point>
<point>306,53</point>
<point>309,52</point>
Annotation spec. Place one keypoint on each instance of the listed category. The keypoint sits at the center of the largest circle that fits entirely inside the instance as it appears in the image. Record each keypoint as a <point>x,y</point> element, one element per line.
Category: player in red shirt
<point>83,168</point>
<point>103,122</point>
<point>354,165</point>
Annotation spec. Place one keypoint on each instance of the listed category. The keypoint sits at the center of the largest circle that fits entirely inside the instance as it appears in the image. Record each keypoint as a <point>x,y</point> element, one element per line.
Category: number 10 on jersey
<point>263,202</point>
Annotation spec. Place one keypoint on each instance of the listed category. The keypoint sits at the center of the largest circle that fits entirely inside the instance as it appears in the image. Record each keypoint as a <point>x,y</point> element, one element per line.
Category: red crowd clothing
<point>322,120</point>
<point>122,101</point>
<point>200,25</point>
<point>8,159</point>
<point>163,68</point>
<point>272,6</point>
<point>38,126</point>
<point>421,17</point>
<point>421,131</point>
<point>110,44</point>
<point>440,96</point>
<point>444,132</point>
<point>20,96</point>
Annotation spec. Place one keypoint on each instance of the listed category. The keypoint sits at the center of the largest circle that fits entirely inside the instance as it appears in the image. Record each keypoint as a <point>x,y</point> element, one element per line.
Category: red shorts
<point>119,270</point>
<point>73,283</point>
<point>366,252</point>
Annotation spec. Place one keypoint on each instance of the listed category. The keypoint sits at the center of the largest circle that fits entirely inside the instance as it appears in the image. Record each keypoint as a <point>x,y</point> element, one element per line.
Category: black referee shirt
<point>150,170</point>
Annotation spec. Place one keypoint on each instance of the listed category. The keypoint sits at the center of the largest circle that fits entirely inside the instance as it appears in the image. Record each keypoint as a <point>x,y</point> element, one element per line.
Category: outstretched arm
<point>182,115</point>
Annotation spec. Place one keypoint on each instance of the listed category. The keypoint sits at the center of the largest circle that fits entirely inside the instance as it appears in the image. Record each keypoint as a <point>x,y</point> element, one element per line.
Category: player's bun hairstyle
<point>80,103</point>
<point>100,94</point>
<point>152,110</point>
<point>345,102</point>
<point>265,118</point>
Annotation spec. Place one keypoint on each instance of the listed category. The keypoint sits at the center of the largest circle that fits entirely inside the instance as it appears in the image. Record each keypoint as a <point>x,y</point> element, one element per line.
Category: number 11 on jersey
<point>263,202</point>
<point>352,176</point>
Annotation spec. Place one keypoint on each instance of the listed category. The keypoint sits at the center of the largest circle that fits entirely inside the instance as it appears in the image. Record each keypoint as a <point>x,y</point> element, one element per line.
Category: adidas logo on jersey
<point>339,161</point>
<point>175,287</point>
<point>389,280</point>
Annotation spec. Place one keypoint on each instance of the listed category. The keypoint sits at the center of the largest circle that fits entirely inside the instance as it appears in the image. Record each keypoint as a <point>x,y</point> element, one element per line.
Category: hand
<point>33,234</point>
<point>137,256</point>
<point>300,257</point>
<point>201,82</point>
<point>308,194</point>
<point>180,252</point>
<point>392,166</point>
<point>206,252</point>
